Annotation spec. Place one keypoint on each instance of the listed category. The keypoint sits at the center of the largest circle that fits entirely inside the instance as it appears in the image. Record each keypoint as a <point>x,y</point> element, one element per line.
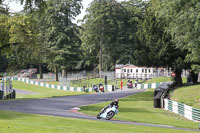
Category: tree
<point>184,26</point>
<point>23,31</point>
<point>158,47</point>
<point>61,35</point>
<point>108,29</point>
<point>32,5</point>
<point>3,8</point>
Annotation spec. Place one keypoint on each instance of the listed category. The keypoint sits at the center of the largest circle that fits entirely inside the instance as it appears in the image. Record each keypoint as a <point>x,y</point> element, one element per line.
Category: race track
<point>62,106</point>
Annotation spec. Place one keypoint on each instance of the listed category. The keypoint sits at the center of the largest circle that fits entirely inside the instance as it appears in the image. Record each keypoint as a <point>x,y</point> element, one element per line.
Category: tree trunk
<point>178,78</point>
<point>101,58</point>
<point>64,73</point>
<point>40,71</point>
<point>194,77</point>
<point>101,44</point>
<point>56,73</point>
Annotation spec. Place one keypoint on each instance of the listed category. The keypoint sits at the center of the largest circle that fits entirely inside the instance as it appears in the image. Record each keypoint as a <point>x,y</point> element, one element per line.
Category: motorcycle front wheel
<point>98,116</point>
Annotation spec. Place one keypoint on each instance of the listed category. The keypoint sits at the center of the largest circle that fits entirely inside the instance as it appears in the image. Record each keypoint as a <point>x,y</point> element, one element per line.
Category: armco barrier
<point>59,87</point>
<point>79,89</point>
<point>148,86</point>
<point>182,109</point>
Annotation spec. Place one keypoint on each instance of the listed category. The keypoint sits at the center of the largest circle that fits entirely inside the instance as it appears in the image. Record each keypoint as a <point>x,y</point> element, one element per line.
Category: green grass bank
<point>41,92</point>
<point>189,95</point>
<point>13,122</point>
<point>139,108</point>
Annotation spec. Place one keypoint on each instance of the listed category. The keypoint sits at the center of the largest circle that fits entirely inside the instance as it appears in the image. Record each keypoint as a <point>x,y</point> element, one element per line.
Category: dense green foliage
<point>153,33</point>
<point>185,28</point>
<point>61,35</point>
<point>110,28</point>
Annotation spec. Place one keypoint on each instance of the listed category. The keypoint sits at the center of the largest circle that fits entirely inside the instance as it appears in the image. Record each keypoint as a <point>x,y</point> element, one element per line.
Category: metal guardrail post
<point>162,98</point>
<point>2,89</point>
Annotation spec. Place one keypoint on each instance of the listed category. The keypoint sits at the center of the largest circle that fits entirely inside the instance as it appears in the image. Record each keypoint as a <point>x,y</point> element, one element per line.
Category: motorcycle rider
<point>129,84</point>
<point>95,87</point>
<point>115,102</point>
<point>136,82</point>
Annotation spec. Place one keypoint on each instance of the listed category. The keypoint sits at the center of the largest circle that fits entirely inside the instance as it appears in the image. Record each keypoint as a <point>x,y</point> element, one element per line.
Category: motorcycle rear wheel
<point>110,115</point>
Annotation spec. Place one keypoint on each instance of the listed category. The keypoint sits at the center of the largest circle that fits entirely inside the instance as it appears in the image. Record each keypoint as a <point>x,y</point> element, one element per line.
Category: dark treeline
<point>154,33</point>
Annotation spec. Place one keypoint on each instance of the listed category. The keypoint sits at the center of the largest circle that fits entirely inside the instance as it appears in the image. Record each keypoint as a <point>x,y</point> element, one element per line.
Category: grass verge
<point>158,80</point>
<point>162,79</point>
<point>139,108</point>
<point>41,92</point>
<point>189,95</point>
<point>11,122</point>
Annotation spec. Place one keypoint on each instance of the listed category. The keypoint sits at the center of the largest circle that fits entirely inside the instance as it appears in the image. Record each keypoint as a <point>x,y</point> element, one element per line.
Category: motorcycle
<point>130,85</point>
<point>108,113</point>
<point>101,87</point>
<point>95,88</point>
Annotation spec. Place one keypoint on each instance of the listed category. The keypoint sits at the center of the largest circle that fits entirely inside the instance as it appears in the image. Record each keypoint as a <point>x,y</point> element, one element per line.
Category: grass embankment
<point>158,80</point>
<point>139,108</point>
<point>189,95</point>
<point>41,92</point>
<point>162,79</point>
<point>29,123</point>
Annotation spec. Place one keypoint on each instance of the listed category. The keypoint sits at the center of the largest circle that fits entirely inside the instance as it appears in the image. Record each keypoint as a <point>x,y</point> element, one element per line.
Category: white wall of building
<point>131,71</point>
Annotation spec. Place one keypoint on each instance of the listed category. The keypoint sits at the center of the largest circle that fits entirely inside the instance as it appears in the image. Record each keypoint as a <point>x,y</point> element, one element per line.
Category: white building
<point>130,71</point>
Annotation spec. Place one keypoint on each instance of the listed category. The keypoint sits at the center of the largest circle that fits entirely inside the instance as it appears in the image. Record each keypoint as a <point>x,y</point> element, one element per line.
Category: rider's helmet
<point>116,100</point>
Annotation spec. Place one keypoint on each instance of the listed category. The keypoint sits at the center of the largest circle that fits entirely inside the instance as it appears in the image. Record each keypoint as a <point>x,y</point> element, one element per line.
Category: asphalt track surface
<point>64,106</point>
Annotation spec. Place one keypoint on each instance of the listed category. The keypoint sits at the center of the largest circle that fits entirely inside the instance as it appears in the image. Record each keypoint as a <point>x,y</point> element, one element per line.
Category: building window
<point>142,70</point>
<point>127,70</point>
<point>124,70</point>
<point>149,70</point>
<point>131,70</point>
<point>145,70</point>
<point>136,70</point>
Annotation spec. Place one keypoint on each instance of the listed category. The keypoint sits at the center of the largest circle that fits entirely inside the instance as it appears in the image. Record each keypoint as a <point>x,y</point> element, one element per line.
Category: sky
<point>16,7</point>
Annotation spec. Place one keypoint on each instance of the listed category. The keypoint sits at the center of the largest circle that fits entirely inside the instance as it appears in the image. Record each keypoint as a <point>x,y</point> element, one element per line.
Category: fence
<point>82,78</point>
<point>110,75</point>
<point>59,87</point>
<point>80,82</point>
<point>6,90</point>
<point>182,109</point>
<point>148,86</point>
<point>134,76</point>
<point>71,76</point>
<point>142,76</point>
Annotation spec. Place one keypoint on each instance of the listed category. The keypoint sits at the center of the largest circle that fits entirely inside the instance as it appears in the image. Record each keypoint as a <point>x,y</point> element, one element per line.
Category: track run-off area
<point>64,106</point>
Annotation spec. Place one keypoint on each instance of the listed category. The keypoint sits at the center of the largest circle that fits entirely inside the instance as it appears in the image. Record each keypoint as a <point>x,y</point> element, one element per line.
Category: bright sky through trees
<point>16,7</point>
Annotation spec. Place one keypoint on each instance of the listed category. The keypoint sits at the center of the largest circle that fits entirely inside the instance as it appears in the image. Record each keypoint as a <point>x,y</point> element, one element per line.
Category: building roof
<point>128,66</point>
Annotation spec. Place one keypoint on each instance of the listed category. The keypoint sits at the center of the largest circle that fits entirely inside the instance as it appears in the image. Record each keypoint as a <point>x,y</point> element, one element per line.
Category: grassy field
<point>189,95</point>
<point>41,92</point>
<point>11,122</point>
<point>139,108</point>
